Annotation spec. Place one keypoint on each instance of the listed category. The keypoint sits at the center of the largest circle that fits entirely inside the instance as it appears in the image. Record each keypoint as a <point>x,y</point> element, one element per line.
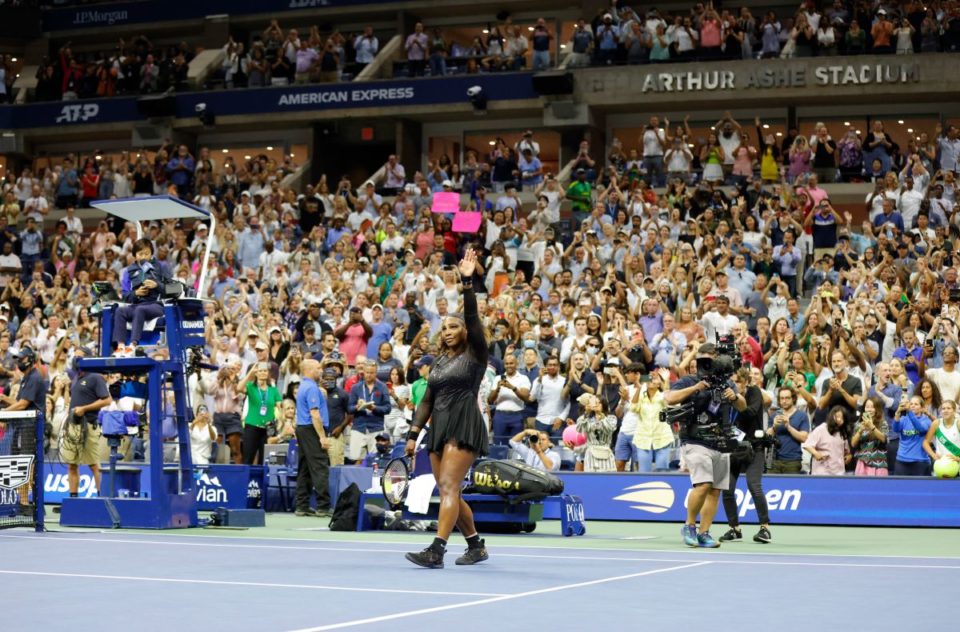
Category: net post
<point>38,475</point>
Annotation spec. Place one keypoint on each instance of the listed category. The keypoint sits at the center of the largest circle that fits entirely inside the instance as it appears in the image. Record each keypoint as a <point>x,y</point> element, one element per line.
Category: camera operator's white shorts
<point>706,465</point>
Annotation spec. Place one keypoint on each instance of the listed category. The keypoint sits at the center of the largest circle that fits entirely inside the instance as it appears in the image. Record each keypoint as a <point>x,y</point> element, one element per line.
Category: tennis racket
<point>396,481</point>
<point>396,477</point>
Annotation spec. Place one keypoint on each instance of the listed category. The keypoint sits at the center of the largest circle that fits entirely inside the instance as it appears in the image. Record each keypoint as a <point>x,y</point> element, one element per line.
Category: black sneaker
<point>305,512</point>
<point>473,556</point>
<point>732,535</point>
<point>763,536</point>
<point>427,558</point>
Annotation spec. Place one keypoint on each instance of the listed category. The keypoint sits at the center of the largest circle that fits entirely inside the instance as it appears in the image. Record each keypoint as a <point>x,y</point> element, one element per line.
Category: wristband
<point>413,434</point>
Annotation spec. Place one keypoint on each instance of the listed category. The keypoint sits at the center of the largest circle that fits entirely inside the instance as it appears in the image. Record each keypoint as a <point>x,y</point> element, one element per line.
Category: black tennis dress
<point>450,401</point>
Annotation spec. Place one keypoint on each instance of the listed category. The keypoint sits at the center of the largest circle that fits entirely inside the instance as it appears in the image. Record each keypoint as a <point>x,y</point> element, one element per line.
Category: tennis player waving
<point>457,431</point>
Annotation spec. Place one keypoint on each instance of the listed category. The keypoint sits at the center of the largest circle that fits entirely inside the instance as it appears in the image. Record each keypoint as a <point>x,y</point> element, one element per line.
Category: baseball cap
<point>383,436</point>
<point>261,346</point>
<point>447,183</point>
<point>378,306</point>
<point>425,360</point>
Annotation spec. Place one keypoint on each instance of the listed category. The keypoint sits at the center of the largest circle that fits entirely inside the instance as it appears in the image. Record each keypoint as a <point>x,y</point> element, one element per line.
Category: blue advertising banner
<point>308,98</point>
<point>120,13</point>
<point>230,486</point>
<point>834,500</point>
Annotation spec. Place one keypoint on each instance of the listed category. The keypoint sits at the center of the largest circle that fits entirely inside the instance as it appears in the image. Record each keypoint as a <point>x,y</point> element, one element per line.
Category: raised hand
<point>468,264</point>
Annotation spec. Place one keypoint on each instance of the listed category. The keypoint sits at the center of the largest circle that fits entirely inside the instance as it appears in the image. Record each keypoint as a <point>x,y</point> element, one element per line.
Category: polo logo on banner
<point>15,471</point>
<point>78,112</point>
<point>308,4</point>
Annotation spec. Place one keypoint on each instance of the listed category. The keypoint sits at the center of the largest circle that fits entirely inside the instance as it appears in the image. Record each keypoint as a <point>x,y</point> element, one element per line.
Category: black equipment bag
<point>347,511</point>
<point>514,480</point>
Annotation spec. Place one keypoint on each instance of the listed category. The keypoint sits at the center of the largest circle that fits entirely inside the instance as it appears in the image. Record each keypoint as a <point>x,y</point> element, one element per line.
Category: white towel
<point>420,493</point>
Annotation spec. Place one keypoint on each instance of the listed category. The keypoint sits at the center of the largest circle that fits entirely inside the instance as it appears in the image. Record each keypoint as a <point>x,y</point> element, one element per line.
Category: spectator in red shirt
<point>89,186</point>
<point>751,353</point>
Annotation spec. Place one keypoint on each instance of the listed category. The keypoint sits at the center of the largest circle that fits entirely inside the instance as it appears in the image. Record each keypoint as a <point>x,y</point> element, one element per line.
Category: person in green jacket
<point>418,388</point>
<point>263,398</point>
<point>580,194</point>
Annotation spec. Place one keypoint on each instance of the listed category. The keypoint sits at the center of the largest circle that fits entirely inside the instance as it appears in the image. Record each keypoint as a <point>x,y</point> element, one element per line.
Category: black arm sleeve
<point>424,409</point>
<point>476,341</point>
<point>751,418</point>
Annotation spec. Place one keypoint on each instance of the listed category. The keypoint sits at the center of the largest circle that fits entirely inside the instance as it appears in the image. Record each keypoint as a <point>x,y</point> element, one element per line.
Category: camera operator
<point>749,420</point>
<point>535,448</point>
<point>81,436</point>
<point>700,437</point>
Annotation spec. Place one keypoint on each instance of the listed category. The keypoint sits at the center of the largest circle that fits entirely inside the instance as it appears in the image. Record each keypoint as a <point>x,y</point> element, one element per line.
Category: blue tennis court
<point>313,580</point>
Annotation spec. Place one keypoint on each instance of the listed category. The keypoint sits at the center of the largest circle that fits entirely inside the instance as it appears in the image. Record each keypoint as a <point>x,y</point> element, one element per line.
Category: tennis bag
<point>514,480</point>
<point>347,510</point>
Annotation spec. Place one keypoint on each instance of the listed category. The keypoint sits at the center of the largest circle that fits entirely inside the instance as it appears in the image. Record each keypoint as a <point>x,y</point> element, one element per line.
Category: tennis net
<point>21,469</point>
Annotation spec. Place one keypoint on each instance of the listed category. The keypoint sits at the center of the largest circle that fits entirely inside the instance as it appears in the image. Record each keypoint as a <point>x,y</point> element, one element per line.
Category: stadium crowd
<point>588,321</point>
<point>617,35</point>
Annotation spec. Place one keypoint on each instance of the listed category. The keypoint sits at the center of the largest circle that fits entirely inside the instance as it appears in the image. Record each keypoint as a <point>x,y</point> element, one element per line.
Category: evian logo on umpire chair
<point>209,489</point>
<point>15,471</point>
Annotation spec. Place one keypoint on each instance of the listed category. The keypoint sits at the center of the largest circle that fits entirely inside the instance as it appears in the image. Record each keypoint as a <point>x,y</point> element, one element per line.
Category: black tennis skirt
<point>461,422</point>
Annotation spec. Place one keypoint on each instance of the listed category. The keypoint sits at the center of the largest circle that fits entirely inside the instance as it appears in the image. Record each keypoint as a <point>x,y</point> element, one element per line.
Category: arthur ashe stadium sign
<point>780,76</point>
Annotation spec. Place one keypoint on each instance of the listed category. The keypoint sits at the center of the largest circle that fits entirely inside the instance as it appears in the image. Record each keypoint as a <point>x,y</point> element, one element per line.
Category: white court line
<point>170,580</point>
<point>481,602</point>
<point>589,558</point>
<point>183,535</point>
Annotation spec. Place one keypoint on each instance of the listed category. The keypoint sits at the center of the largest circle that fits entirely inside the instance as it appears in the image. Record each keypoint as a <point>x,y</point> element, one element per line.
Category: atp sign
<point>78,113</point>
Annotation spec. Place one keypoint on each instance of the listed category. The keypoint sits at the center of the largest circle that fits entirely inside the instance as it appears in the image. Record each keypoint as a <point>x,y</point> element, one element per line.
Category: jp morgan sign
<point>771,77</point>
<point>98,18</point>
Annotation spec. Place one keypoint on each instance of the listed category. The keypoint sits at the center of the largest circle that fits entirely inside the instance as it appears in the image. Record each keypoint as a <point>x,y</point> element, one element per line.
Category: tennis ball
<point>387,485</point>
<point>945,467</point>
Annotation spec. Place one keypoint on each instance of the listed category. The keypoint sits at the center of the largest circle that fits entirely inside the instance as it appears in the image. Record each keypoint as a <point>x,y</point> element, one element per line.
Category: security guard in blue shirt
<point>32,394</point>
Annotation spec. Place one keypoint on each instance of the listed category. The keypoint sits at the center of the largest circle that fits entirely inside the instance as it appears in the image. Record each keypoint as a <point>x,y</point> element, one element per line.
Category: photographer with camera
<point>536,449</point>
<point>749,420</point>
<point>704,406</point>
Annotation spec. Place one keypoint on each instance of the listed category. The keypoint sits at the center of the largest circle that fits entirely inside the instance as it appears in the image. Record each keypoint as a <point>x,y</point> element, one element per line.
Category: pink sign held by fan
<point>468,222</point>
<point>445,202</point>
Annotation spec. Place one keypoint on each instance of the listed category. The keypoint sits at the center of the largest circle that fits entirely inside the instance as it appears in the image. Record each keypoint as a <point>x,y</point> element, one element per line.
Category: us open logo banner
<point>655,497</point>
<point>15,471</point>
